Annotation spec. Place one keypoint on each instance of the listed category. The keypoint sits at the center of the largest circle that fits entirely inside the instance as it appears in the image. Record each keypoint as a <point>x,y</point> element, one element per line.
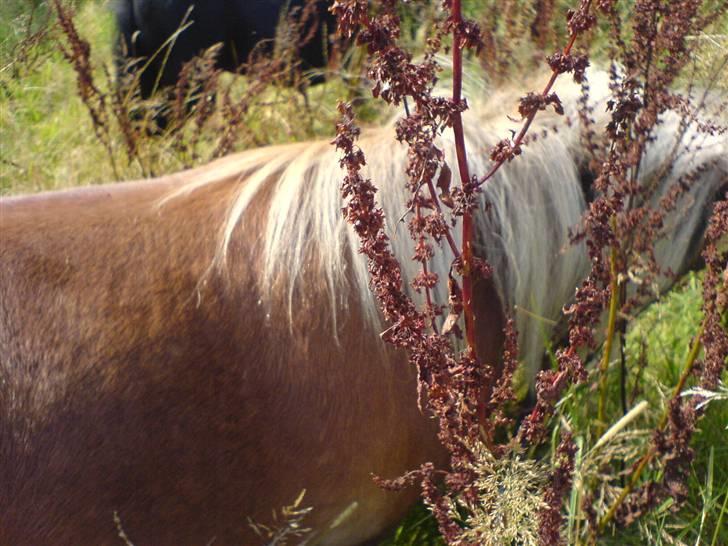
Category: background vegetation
<point>47,141</point>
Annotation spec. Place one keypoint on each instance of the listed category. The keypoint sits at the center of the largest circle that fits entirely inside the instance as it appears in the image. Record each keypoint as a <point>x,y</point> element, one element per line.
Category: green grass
<point>664,333</point>
<point>15,17</point>
<point>419,528</point>
<point>46,136</point>
<point>661,335</point>
<point>657,345</point>
<point>47,139</point>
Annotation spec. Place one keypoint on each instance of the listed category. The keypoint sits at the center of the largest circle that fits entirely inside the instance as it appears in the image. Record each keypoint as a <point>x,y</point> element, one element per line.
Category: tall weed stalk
<point>207,115</point>
<point>499,487</point>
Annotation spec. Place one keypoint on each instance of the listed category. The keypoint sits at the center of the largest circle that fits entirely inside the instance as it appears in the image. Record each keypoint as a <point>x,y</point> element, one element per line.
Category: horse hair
<point>531,204</point>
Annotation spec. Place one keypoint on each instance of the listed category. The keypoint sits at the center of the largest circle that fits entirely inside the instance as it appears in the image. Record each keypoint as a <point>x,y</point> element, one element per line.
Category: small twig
<point>617,427</point>
<point>622,332</point>
<point>529,119</point>
<point>604,364</point>
<point>120,530</point>
<point>448,236</point>
<point>425,271</point>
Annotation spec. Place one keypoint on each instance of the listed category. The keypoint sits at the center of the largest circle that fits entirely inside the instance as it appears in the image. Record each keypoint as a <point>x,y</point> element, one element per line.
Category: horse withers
<point>183,355</point>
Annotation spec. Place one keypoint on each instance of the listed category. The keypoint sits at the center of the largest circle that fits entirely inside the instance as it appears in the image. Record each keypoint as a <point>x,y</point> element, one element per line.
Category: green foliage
<point>419,528</point>
<point>661,336</point>
<point>17,18</point>
<point>46,138</point>
<point>656,348</point>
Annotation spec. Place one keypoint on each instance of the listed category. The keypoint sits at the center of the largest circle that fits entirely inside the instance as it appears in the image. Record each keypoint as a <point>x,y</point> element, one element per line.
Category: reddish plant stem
<point>450,241</point>
<point>529,119</point>
<point>467,253</point>
<point>425,270</point>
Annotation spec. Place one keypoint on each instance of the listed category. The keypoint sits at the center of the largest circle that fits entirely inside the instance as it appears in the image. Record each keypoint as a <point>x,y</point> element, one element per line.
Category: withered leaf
<point>456,308</point>
<point>451,325</point>
<point>443,183</point>
<point>444,179</point>
<point>454,294</point>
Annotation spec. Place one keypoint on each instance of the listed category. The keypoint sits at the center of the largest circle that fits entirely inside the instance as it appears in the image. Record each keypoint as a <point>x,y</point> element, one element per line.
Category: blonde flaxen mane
<point>532,204</point>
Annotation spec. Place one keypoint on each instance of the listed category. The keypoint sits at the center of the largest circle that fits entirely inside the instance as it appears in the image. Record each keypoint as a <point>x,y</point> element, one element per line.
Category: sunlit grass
<point>47,136</point>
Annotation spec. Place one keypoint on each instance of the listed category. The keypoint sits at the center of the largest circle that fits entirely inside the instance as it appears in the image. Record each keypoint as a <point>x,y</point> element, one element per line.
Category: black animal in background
<point>241,26</point>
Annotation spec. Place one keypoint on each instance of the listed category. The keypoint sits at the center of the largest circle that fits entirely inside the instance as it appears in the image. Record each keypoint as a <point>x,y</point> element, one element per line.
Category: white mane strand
<point>533,201</point>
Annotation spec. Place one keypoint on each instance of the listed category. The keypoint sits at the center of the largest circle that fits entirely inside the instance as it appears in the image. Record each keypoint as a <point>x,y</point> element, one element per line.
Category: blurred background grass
<point>47,137</point>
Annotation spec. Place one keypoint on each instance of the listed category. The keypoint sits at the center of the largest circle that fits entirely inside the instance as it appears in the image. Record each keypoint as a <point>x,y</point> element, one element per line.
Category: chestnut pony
<point>181,354</point>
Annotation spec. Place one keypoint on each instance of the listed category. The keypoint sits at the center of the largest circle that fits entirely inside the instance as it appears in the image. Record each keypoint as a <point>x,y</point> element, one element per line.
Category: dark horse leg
<point>163,37</point>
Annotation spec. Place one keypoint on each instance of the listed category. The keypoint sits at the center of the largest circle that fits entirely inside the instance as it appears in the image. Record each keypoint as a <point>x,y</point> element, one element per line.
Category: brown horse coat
<point>128,386</point>
<point>137,381</point>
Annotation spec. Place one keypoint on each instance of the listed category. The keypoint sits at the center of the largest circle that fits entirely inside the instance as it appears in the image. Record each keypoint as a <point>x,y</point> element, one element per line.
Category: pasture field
<point>48,142</point>
<point>43,116</point>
